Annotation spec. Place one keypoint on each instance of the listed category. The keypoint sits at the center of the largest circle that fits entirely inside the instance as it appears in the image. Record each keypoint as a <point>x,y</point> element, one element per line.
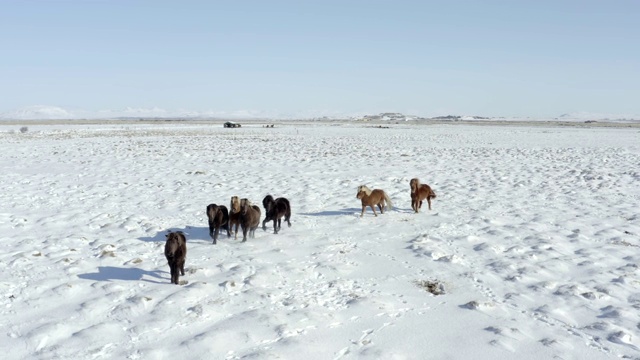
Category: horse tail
<point>388,200</point>
<point>432,195</point>
<point>287,213</point>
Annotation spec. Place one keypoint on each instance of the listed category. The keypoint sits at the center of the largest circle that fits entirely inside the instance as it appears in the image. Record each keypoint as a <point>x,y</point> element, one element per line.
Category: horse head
<point>267,201</point>
<point>245,204</point>
<point>172,245</point>
<point>414,184</point>
<point>363,190</point>
<point>234,207</point>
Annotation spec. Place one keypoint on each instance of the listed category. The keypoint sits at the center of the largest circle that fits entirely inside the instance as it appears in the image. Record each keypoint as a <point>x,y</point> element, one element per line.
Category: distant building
<point>231,124</point>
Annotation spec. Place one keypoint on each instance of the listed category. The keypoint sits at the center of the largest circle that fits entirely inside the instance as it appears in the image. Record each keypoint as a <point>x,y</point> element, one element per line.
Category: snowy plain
<point>533,242</point>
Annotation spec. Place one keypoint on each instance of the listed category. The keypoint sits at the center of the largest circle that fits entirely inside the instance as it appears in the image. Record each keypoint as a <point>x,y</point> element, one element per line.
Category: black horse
<point>175,250</point>
<point>275,210</point>
<point>218,218</point>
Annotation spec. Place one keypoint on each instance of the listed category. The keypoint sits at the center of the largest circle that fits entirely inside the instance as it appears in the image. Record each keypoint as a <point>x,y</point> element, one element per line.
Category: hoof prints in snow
<point>534,234</point>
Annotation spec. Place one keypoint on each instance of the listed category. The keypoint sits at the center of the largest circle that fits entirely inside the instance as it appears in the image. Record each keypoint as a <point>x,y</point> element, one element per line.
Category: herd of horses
<point>246,216</point>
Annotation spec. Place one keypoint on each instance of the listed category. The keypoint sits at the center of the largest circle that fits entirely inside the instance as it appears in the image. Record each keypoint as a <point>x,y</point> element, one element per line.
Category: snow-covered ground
<point>534,240</point>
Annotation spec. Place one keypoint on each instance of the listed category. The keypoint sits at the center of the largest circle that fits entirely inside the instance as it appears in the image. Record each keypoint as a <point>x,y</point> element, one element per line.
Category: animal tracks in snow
<point>533,236</point>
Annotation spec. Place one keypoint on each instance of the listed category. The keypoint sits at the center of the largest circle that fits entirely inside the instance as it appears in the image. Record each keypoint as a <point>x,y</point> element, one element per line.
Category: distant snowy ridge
<point>597,116</point>
<point>39,112</point>
<point>44,112</point>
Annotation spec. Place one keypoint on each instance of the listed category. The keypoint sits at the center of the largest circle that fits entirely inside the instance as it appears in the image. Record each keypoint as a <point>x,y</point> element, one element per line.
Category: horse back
<point>427,191</point>
<point>377,195</point>
<point>283,206</point>
<point>224,213</point>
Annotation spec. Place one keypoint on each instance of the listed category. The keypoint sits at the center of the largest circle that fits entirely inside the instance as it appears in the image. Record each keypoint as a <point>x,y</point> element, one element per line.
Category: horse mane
<point>234,201</point>
<point>267,199</point>
<point>364,188</point>
<point>415,184</point>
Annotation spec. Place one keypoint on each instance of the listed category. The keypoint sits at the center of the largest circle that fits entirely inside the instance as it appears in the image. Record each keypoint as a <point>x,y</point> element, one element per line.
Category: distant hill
<point>43,112</point>
<point>457,118</point>
<point>390,117</point>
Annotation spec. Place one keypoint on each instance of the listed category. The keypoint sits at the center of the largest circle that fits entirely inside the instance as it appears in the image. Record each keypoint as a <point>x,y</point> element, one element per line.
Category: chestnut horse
<point>420,192</point>
<point>373,197</point>
<point>175,250</point>
<point>234,214</point>
<point>218,218</point>
<point>249,218</point>
<point>275,210</point>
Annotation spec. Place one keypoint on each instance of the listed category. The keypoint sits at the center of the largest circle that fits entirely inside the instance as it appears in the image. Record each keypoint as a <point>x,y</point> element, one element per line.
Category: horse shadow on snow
<point>110,273</point>
<point>195,234</point>
<point>351,211</point>
<point>348,211</point>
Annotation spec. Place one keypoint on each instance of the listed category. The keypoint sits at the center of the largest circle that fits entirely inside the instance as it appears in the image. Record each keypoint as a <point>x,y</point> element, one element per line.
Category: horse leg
<point>429,202</point>
<point>374,210</point>
<point>215,235</point>
<point>264,224</point>
<point>182,267</point>
<point>275,226</point>
<point>279,223</point>
<point>362,213</point>
<point>174,272</point>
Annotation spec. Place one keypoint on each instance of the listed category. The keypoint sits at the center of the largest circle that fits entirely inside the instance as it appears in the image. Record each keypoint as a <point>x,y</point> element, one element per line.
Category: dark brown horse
<point>234,214</point>
<point>275,210</point>
<point>218,218</point>
<point>420,192</point>
<point>249,218</point>
<point>175,250</point>
<point>373,197</point>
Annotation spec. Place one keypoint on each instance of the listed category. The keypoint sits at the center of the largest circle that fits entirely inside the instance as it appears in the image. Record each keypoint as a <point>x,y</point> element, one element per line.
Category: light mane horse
<point>373,197</point>
<point>234,215</point>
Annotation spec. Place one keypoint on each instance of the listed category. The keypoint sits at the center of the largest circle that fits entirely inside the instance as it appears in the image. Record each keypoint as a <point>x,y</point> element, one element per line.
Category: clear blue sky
<point>496,58</point>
